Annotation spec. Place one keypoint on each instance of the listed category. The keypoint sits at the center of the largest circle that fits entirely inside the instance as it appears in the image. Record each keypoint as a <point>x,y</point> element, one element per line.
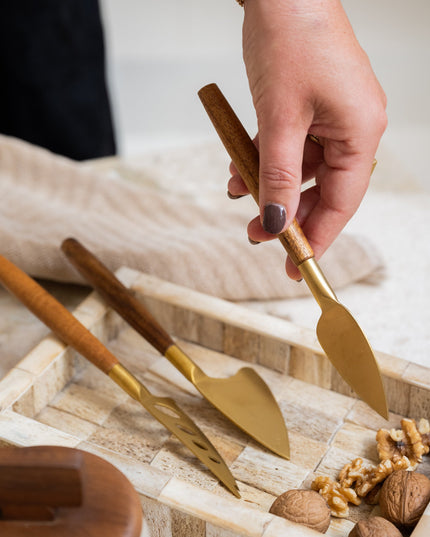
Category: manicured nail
<point>233,197</point>
<point>274,218</point>
<point>252,242</point>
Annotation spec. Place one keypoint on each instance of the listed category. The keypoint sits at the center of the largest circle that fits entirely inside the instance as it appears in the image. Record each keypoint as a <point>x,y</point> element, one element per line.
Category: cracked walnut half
<point>410,441</point>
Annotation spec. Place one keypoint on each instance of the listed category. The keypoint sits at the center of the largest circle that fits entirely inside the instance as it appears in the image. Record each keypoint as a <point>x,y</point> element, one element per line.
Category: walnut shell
<point>404,496</point>
<point>304,507</point>
<point>375,526</point>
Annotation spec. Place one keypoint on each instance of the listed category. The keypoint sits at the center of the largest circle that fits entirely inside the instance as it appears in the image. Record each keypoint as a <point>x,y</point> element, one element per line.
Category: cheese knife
<point>73,333</point>
<point>244,398</point>
<point>339,334</point>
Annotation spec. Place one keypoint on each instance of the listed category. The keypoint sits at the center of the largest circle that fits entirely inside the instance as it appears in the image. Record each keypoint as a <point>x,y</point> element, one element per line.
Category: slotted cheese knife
<point>244,398</point>
<point>73,333</point>
<point>338,333</point>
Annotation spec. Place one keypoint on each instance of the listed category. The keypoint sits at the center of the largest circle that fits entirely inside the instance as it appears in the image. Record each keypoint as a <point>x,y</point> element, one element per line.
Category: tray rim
<point>92,309</point>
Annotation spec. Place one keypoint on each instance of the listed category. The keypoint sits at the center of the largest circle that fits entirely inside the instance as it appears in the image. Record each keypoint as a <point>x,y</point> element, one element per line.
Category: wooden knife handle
<point>245,156</point>
<point>55,315</point>
<point>116,294</point>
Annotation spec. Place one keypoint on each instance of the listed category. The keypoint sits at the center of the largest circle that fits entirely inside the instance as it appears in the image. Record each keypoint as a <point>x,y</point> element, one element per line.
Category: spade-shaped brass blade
<point>72,332</point>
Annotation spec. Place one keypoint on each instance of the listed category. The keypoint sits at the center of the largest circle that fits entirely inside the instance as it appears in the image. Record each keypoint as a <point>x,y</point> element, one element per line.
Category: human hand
<point>308,75</point>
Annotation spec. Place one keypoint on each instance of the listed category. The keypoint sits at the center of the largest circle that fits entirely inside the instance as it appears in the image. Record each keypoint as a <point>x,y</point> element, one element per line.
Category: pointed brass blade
<point>344,342</point>
<point>349,351</point>
<point>167,412</point>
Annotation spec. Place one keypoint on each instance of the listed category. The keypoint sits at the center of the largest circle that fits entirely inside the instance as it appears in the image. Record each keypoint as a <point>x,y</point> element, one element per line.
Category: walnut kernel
<point>336,496</point>
<point>410,441</point>
<point>424,430</point>
<point>364,478</point>
<point>352,473</point>
<point>377,474</point>
<point>304,507</point>
<point>404,496</point>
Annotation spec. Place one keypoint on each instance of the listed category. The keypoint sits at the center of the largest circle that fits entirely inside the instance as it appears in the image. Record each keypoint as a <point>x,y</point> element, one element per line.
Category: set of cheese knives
<point>243,398</point>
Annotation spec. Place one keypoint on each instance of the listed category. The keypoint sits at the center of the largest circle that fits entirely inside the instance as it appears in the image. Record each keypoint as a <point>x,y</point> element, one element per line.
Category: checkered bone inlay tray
<point>55,397</point>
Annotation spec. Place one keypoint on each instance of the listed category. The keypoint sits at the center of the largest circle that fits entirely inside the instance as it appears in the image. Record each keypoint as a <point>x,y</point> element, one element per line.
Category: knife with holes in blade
<point>73,333</point>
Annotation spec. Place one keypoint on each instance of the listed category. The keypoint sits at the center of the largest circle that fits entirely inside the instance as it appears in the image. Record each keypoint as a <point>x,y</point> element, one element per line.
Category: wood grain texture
<point>245,156</point>
<point>55,315</point>
<point>328,428</point>
<point>90,495</point>
<point>116,294</point>
<point>43,476</point>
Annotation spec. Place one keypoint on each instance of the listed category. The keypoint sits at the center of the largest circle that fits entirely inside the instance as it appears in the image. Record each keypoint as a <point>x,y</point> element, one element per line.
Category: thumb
<point>280,176</point>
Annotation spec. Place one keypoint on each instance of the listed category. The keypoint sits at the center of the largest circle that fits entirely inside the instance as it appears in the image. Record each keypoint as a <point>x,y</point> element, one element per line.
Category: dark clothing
<point>52,77</point>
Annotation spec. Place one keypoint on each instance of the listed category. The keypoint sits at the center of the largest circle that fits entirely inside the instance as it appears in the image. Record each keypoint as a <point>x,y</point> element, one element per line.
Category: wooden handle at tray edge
<point>245,157</point>
<point>55,315</point>
<point>40,475</point>
<point>116,294</point>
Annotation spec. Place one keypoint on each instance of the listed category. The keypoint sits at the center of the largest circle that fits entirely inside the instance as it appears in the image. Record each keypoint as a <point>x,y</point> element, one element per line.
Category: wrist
<point>298,4</point>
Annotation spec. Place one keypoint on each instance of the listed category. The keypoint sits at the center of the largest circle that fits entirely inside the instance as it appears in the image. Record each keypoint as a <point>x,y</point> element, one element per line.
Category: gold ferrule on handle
<point>316,281</point>
<point>182,362</point>
<point>127,382</point>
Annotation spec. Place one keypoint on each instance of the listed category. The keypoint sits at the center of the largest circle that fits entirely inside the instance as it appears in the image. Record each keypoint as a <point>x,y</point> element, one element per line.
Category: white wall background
<point>161,53</point>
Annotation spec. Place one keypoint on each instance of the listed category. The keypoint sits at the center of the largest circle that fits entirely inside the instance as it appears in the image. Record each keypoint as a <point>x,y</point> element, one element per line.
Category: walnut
<point>408,441</point>
<point>305,507</point>
<point>404,496</point>
<point>336,496</point>
<point>375,526</point>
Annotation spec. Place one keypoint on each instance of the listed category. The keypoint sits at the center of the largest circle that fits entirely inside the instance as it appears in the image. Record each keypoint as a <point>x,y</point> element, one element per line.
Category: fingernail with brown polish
<point>252,242</point>
<point>274,218</point>
<point>233,197</point>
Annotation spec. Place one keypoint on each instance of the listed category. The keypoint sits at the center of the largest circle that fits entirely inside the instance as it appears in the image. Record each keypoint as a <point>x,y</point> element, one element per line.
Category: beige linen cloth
<point>45,198</point>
